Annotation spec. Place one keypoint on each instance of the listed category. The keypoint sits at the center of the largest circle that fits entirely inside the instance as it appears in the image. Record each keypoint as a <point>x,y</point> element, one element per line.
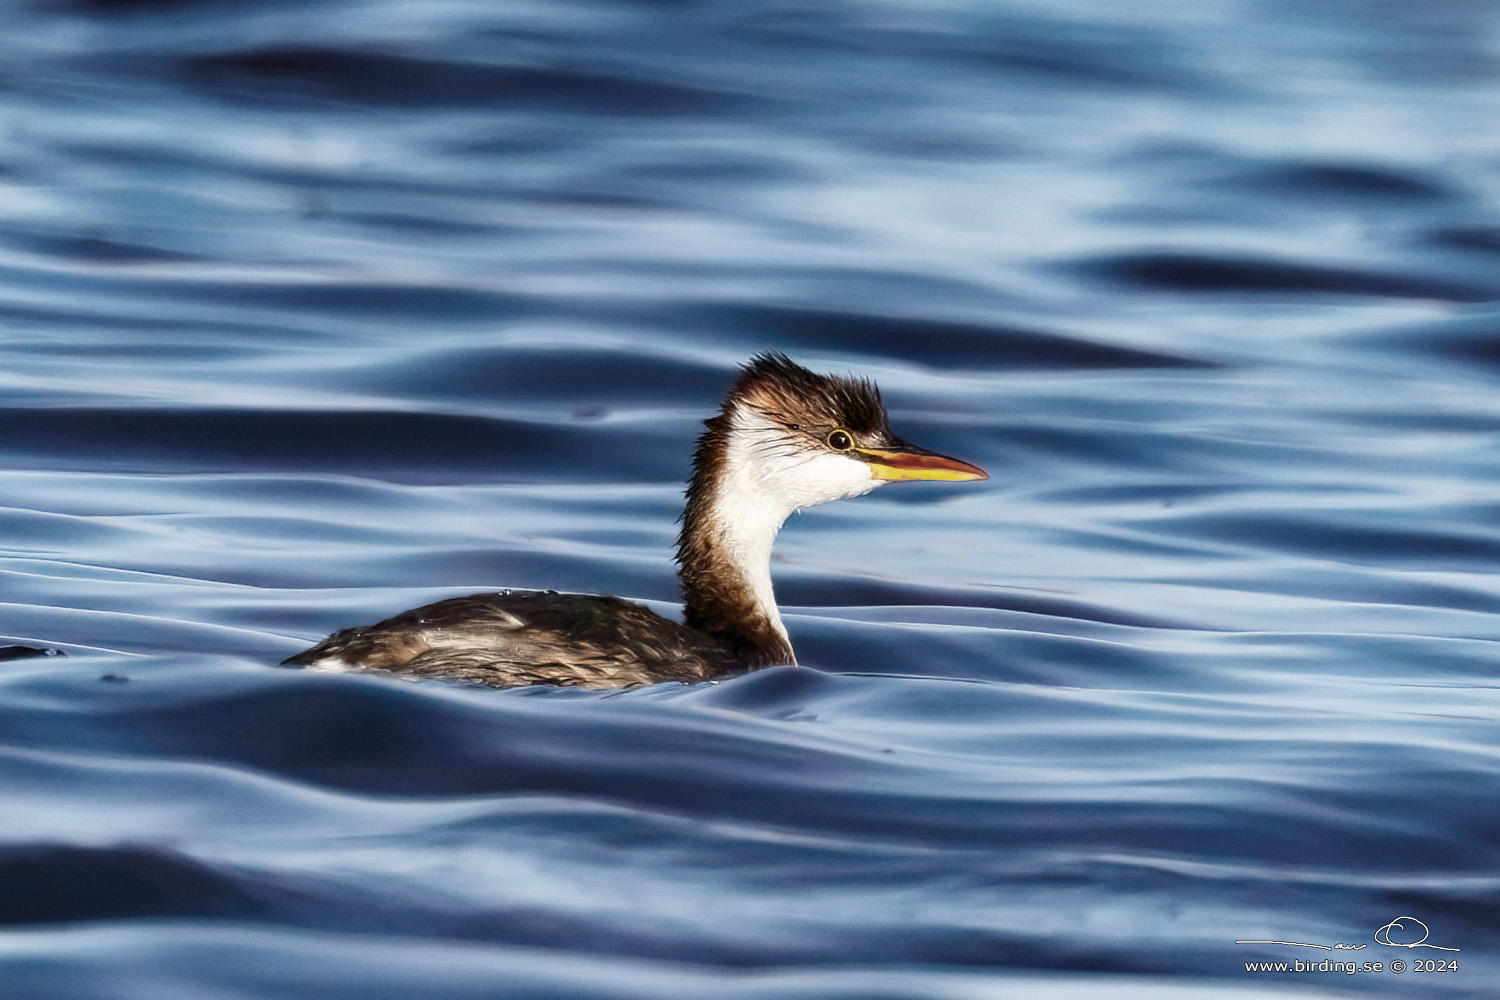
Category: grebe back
<point>785,438</point>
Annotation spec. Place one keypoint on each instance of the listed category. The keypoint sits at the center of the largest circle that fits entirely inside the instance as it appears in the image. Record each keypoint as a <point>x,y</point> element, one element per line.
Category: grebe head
<point>789,438</point>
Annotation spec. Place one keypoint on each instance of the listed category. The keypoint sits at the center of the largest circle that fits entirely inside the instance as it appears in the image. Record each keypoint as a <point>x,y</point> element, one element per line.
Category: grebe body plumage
<point>785,438</point>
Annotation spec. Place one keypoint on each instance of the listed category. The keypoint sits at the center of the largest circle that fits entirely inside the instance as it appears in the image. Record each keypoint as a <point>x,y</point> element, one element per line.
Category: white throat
<point>768,473</point>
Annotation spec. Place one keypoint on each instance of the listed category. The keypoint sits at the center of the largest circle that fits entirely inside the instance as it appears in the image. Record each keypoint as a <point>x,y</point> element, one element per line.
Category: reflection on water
<point>313,313</point>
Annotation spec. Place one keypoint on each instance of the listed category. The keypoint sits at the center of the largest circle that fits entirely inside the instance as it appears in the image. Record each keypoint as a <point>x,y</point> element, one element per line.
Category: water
<point>315,312</point>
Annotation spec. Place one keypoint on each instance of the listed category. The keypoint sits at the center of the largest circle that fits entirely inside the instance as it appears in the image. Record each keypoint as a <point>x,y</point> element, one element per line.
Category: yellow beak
<point>910,462</point>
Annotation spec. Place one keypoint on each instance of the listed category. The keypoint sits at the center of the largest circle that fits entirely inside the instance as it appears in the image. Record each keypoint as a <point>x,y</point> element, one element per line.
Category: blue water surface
<point>313,312</point>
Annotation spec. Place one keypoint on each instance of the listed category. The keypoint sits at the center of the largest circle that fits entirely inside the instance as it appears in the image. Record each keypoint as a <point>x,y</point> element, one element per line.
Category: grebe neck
<point>728,528</point>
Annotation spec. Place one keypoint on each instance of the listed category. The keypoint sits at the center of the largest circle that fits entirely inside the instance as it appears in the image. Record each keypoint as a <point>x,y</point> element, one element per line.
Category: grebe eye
<point>840,441</point>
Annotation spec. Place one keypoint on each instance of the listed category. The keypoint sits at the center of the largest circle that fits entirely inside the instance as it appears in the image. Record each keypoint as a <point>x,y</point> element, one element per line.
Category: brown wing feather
<point>527,637</point>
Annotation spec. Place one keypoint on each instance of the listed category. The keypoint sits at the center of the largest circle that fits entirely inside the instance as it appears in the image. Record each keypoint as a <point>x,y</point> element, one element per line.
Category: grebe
<point>785,438</point>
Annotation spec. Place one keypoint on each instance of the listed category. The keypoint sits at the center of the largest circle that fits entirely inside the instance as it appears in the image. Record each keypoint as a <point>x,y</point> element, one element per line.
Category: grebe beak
<point>909,462</point>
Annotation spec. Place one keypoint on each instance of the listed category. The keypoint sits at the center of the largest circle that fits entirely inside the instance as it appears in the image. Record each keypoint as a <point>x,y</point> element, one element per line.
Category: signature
<point>1382,936</point>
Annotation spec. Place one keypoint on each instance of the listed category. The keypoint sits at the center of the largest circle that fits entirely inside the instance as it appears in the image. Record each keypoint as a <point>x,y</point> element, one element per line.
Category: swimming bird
<point>785,438</point>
